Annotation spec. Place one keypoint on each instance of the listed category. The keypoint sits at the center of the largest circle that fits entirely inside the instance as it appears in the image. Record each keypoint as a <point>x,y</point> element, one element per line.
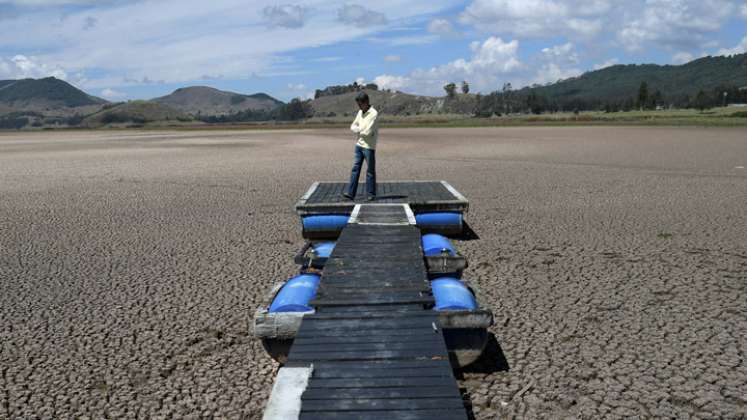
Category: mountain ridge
<point>617,87</point>
<point>675,82</point>
<point>47,95</point>
<point>206,100</point>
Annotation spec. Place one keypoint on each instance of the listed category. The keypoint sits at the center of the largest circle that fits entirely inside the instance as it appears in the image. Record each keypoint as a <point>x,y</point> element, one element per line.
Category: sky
<point>135,49</point>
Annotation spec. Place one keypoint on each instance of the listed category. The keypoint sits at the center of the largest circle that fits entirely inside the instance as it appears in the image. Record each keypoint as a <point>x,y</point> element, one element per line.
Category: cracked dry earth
<point>615,260</point>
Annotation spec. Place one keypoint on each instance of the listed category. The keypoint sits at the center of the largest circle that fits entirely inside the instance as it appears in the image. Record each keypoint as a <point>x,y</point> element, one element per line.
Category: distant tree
<point>465,87</point>
<point>74,120</point>
<point>702,101</point>
<point>13,123</point>
<point>295,110</point>
<point>477,112</point>
<point>506,90</point>
<point>342,89</point>
<point>656,99</point>
<point>450,89</point>
<point>642,95</point>
<point>536,104</point>
<point>628,104</point>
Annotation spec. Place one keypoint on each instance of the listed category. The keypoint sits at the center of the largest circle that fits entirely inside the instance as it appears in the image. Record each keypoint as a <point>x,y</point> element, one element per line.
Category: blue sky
<point>126,49</point>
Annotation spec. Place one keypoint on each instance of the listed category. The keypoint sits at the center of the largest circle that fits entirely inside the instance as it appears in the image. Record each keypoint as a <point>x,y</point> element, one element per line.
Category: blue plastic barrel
<point>452,295</point>
<point>451,220</point>
<point>325,222</point>
<point>435,244</point>
<point>323,249</point>
<point>296,294</point>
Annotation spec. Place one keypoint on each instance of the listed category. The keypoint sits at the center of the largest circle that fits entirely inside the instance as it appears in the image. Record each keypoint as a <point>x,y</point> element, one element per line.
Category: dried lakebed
<point>615,260</point>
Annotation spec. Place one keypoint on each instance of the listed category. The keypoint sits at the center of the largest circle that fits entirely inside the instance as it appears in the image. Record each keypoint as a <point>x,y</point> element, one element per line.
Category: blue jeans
<point>369,156</point>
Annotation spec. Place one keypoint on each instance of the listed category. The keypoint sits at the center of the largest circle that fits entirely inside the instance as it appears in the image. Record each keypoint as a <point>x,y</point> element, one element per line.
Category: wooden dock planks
<point>376,352</point>
<point>421,196</point>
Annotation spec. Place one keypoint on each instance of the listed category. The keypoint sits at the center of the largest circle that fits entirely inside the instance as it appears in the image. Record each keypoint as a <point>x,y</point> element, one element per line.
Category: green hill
<point>44,93</point>
<point>392,103</point>
<point>204,100</point>
<point>675,83</point>
<point>134,112</point>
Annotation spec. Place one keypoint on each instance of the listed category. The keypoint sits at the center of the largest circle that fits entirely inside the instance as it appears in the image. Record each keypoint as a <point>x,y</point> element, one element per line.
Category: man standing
<point>366,129</point>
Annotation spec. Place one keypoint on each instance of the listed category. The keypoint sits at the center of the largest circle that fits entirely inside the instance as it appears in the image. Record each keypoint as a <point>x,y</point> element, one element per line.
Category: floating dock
<point>421,196</point>
<point>372,347</point>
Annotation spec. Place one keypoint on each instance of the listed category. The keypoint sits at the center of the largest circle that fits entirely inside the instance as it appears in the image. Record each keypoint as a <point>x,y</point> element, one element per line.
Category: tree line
<point>342,89</point>
<point>294,110</point>
<point>527,100</point>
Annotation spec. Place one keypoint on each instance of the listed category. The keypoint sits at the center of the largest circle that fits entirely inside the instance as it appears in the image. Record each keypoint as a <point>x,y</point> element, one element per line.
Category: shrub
<point>13,123</point>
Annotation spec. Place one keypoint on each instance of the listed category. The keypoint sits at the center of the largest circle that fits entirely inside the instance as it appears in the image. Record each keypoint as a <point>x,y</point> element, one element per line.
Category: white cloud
<point>392,58</point>
<point>681,24</point>
<point>298,86</point>
<point>22,67</point>
<point>50,2</point>
<point>286,15</point>
<point>608,63</point>
<point>557,63</point>
<point>112,94</point>
<point>441,27</point>
<point>400,41</point>
<point>177,41</point>
<point>637,25</point>
<point>90,23</point>
<point>327,59</point>
<point>386,81</point>
<point>353,14</point>
<point>682,57</point>
<point>738,49</point>
<point>553,72</point>
<point>565,52</point>
<point>491,61</point>
<point>538,18</point>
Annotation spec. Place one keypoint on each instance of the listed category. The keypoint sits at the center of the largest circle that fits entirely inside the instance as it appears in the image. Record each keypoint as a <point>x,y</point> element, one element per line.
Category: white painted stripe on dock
<point>410,215</point>
<point>310,191</point>
<point>453,191</point>
<point>408,212</point>
<point>285,400</point>
<point>354,215</point>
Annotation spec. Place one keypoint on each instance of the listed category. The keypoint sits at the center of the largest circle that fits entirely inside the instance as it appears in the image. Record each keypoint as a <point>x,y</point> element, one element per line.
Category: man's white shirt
<point>366,126</point>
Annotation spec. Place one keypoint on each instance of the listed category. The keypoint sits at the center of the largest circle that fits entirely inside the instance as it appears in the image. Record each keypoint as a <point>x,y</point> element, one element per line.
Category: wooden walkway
<point>376,352</point>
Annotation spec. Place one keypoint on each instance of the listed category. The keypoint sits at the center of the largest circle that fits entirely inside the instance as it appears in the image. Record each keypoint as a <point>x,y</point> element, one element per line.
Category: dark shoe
<point>371,198</point>
<point>347,196</point>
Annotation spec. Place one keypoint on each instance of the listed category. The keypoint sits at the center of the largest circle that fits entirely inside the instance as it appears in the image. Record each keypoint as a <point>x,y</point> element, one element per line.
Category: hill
<point>205,100</point>
<point>134,113</point>
<point>49,96</point>
<point>675,83</point>
<point>392,103</point>
<point>616,88</point>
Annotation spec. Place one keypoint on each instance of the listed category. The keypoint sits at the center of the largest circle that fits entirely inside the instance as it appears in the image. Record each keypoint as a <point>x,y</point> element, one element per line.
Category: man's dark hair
<point>361,98</point>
